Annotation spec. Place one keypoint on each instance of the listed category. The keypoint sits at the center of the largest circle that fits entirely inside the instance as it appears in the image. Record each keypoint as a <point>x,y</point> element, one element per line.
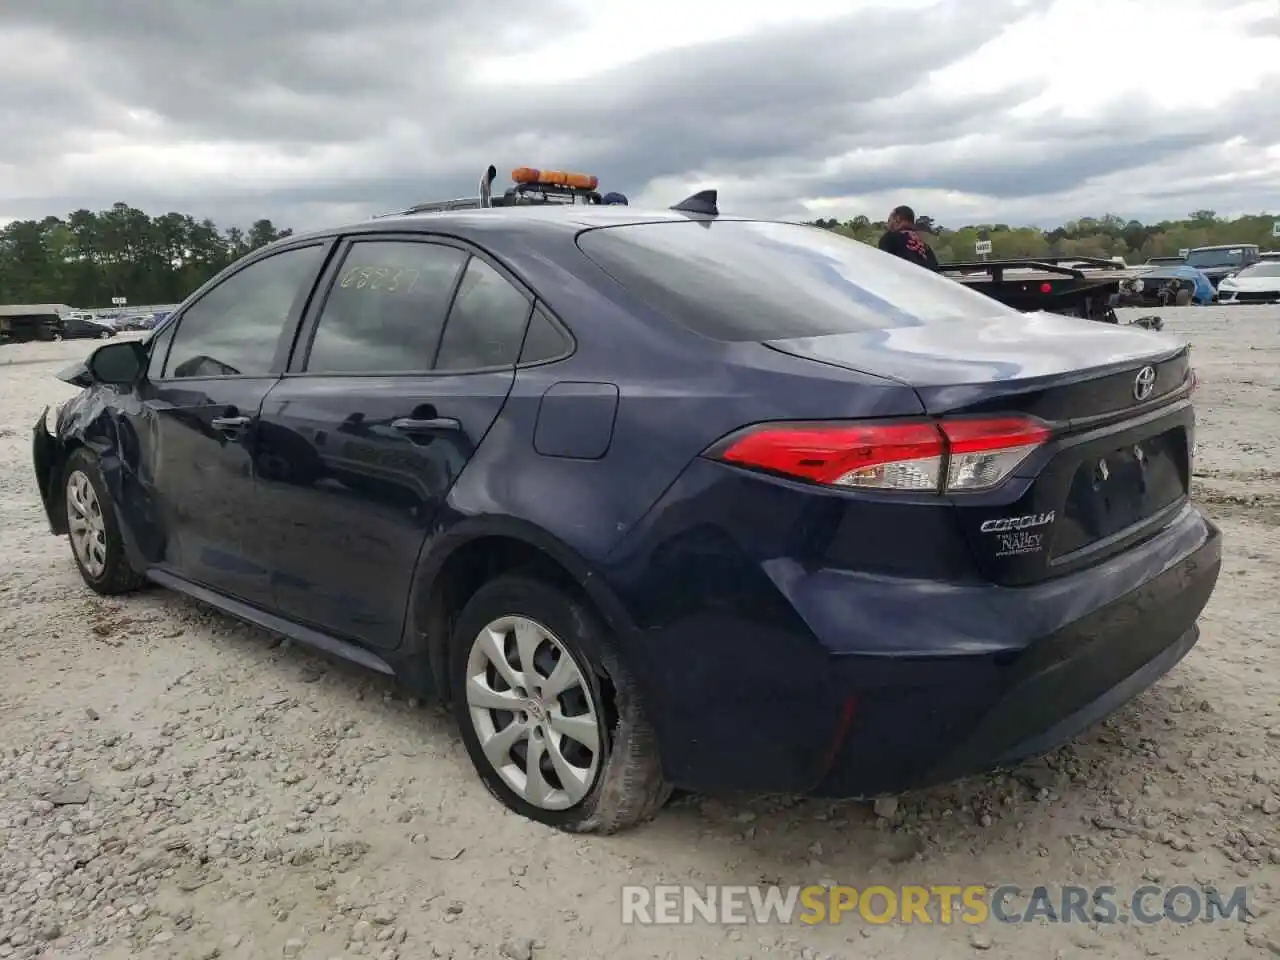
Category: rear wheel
<point>552,721</point>
<point>95,537</point>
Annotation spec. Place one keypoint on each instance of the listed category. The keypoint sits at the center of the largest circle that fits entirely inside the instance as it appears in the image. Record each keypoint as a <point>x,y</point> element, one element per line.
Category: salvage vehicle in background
<point>1087,287</point>
<point>1173,285</point>
<point>22,322</point>
<point>1220,261</point>
<point>1259,283</point>
<point>659,497</point>
<point>80,325</point>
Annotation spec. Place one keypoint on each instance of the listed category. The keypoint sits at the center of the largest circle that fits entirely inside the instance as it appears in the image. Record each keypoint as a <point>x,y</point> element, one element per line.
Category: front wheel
<point>96,543</point>
<point>551,719</point>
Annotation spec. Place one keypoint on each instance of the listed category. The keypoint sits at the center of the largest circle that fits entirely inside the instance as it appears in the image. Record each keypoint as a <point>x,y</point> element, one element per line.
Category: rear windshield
<point>751,280</point>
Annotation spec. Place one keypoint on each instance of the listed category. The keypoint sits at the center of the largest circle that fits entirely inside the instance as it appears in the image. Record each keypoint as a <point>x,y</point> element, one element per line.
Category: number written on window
<point>379,279</point>
<point>385,312</point>
<point>233,329</point>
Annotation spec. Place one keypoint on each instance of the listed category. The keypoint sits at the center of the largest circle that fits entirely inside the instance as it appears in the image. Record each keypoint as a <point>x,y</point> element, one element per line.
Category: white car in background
<point>1257,283</point>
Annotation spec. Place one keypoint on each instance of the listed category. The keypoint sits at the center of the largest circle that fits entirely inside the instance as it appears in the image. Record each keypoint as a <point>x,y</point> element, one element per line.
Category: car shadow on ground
<point>795,840</point>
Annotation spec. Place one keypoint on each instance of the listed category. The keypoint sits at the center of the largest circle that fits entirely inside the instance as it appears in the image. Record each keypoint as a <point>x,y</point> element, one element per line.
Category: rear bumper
<point>878,684</point>
<point>1008,709</point>
<point>1247,297</point>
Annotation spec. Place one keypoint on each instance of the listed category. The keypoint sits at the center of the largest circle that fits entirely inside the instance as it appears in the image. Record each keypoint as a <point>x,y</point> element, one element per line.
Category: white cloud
<point>1008,110</point>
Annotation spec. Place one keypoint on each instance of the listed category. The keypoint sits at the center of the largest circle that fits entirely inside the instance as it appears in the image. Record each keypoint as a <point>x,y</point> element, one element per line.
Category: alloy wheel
<point>86,524</point>
<point>533,712</point>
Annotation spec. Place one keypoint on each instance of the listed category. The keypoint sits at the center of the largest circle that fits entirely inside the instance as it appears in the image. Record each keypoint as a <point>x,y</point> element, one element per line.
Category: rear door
<point>399,373</point>
<point>209,370</point>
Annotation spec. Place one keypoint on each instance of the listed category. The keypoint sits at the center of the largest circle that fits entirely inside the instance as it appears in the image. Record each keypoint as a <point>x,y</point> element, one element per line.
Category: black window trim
<point>301,350</point>
<point>288,332</point>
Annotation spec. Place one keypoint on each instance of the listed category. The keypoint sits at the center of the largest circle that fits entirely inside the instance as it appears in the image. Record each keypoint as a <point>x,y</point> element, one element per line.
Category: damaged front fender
<point>47,456</point>
<point>97,419</point>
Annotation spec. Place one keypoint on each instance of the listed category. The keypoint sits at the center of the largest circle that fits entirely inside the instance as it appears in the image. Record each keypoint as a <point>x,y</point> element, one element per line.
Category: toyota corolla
<point>656,499</point>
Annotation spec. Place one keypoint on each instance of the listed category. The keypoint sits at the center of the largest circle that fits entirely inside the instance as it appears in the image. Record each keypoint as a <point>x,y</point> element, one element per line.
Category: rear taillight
<point>983,452</point>
<point>924,456</point>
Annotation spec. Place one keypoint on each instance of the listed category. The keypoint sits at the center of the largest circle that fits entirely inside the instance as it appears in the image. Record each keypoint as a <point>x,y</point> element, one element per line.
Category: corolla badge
<point>1007,524</point>
<point>1016,536</point>
<point>1144,383</point>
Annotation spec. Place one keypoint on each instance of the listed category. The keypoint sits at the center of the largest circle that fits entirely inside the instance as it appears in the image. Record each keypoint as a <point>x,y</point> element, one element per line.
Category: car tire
<point>622,784</point>
<point>94,534</point>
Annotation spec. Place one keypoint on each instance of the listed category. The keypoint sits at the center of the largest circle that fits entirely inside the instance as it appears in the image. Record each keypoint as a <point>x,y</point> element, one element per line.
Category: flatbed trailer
<point>1087,287</point>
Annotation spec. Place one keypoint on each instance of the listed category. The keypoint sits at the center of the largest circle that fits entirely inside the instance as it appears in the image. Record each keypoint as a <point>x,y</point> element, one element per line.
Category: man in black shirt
<point>902,239</point>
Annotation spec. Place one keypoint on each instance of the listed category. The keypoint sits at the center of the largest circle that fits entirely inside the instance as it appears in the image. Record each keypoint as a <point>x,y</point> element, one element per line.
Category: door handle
<point>429,425</point>
<point>229,424</point>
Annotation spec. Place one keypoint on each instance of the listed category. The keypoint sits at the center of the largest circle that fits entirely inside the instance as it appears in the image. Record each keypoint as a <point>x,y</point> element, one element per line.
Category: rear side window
<point>748,280</point>
<point>486,323</point>
<point>386,309</point>
<point>544,341</point>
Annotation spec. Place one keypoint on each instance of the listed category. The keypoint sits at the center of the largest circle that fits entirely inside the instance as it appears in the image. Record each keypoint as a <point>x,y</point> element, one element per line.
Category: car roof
<point>1224,246</point>
<point>553,219</point>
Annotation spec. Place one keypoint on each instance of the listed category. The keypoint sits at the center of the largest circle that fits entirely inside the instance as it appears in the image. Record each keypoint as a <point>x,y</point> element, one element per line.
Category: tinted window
<point>487,321</point>
<point>544,341</point>
<point>158,351</point>
<point>386,309</point>
<point>233,329</point>
<point>746,280</point>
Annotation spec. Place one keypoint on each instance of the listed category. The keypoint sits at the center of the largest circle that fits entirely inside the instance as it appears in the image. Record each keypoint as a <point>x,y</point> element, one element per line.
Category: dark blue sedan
<point>656,499</point>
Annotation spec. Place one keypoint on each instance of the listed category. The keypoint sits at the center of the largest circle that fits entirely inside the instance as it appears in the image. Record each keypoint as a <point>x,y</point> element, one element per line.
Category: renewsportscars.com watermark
<point>938,904</point>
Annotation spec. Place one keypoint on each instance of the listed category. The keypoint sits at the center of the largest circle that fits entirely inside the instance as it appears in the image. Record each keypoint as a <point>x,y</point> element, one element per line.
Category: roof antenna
<point>703,202</point>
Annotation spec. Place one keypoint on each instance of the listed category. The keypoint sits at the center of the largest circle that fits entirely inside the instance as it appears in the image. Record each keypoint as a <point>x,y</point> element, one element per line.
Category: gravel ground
<point>176,784</point>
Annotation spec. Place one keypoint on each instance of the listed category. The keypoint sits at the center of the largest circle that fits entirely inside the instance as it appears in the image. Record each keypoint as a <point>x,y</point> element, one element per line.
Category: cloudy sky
<point>308,111</point>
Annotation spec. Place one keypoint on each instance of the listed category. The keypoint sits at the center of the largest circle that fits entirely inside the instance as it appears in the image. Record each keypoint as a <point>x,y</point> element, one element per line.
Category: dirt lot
<point>175,784</point>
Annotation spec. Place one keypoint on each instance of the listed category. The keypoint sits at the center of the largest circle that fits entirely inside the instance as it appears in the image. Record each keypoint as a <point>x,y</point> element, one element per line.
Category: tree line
<point>88,258</point>
<point>1107,236</point>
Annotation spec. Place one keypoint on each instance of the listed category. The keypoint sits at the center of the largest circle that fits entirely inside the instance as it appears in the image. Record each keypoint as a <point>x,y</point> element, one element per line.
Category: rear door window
<point>737,280</point>
<point>386,309</point>
<point>486,322</point>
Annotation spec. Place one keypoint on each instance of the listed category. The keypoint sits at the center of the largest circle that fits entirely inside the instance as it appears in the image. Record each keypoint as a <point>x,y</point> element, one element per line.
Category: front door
<point>392,390</point>
<point>202,398</point>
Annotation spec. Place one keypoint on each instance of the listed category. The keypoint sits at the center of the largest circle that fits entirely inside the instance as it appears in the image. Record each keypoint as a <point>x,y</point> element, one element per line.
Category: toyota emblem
<point>1144,383</point>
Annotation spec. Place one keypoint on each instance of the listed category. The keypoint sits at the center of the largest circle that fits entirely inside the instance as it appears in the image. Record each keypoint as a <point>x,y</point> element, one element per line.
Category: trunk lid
<point>1119,464</point>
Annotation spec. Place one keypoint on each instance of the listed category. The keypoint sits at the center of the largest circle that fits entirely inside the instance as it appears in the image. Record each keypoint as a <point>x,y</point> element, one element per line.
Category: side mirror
<point>120,364</point>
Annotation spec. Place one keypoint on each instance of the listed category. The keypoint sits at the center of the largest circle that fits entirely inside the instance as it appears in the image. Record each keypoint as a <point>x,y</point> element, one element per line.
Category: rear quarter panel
<point>677,394</point>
